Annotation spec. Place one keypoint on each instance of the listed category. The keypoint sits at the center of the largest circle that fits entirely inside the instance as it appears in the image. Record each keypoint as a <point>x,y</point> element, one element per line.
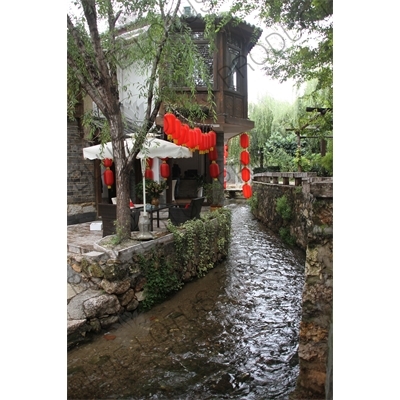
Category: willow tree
<point>99,46</point>
<point>269,116</point>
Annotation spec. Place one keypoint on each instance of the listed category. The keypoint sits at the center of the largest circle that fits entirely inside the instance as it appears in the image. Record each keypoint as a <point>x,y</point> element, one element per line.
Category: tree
<point>95,56</point>
<point>309,24</point>
<point>269,116</point>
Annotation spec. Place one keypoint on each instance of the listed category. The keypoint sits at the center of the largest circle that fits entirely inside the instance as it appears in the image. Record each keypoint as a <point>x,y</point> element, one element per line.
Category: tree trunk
<point>121,179</point>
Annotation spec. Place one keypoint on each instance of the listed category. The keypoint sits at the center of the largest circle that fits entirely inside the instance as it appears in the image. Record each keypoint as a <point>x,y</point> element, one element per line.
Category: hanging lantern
<point>209,147</point>
<point>213,137</point>
<point>197,135</point>
<point>164,169</point>
<point>202,144</point>
<point>244,140</point>
<point>214,170</point>
<point>108,178</point>
<point>177,130</point>
<point>225,172</point>
<point>224,184</point>
<point>245,157</point>
<point>184,136</point>
<point>191,142</point>
<point>149,163</point>
<point>108,174</point>
<point>245,174</point>
<point>107,162</point>
<point>169,124</point>
<point>247,192</point>
<point>213,155</point>
<point>148,174</point>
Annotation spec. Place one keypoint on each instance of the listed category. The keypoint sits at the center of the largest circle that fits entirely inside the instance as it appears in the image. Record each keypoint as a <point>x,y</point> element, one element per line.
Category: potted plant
<point>214,193</point>
<point>153,190</point>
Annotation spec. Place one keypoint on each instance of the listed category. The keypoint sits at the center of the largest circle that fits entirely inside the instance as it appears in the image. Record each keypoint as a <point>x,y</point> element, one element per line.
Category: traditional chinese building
<point>228,68</point>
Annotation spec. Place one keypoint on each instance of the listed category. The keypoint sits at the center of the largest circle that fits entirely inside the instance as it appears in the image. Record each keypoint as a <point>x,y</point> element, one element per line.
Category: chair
<point>108,213</point>
<point>179,215</point>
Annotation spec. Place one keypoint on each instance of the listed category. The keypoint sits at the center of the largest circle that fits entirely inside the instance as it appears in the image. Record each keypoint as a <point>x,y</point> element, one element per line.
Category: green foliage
<point>253,202</point>
<point>214,192</point>
<point>153,189</point>
<point>161,279</point>
<point>327,164</point>
<point>199,241</point>
<point>284,233</point>
<point>283,208</point>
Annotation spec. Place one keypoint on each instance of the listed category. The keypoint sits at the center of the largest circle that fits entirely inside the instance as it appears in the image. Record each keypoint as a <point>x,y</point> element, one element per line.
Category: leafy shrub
<point>283,208</point>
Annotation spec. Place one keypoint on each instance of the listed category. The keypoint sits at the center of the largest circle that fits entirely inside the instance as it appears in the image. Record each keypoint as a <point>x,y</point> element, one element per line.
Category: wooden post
<point>299,150</point>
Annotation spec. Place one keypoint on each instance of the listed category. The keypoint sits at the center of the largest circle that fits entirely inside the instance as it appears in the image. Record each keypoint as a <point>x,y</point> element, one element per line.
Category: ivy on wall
<point>204,241</point>
<point>198,244</point>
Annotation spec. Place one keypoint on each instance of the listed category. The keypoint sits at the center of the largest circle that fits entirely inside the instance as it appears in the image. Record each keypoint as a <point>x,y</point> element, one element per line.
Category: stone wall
<point>312,226</point>
<point>107,284</point>
<point>81,206</point>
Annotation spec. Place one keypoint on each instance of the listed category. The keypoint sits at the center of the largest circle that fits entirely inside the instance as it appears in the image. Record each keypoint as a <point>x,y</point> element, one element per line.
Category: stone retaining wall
<point>311,224</point>
<point>108,285</point>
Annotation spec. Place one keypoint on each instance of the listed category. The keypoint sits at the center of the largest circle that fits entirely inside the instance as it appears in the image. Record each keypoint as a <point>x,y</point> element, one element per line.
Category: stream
<point>232,334</point>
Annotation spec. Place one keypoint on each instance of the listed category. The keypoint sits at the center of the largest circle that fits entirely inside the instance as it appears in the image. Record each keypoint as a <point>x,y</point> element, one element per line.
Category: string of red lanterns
<point>182,135</point>
<point>245,160</point>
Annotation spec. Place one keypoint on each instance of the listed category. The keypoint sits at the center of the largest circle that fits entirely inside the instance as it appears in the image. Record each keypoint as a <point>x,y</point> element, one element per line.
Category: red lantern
<point>213,136</point>
<point>224,184</point>
<point>169,124</point>
<point>184,136</point>
<point>108,178</point>
<point>247,192</point>
<point>244,140</point>
<point>245,157</point>
<point>107,162</point>
<point>148,174</point>
<point>191,142</point>
<point>202,144</point>
<point>213,155</point>
<point>164,170</point>
<point>245,174</point>
<point>177,130</point>
<point>197,134</point>
<point>214,170</point>
<point>149,163</point>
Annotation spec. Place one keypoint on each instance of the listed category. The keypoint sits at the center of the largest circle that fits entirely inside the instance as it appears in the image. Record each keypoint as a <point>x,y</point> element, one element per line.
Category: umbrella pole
<point>144,196</point>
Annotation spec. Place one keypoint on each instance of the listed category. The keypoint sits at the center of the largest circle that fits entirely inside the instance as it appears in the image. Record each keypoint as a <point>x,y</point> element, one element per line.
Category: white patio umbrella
<point>152,148</point>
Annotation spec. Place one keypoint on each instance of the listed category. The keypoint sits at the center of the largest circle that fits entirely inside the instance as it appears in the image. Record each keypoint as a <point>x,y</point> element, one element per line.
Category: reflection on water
<point>230,335</point>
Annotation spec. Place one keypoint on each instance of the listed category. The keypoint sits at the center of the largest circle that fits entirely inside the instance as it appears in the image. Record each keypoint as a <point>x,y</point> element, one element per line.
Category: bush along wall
<point>109,289</point>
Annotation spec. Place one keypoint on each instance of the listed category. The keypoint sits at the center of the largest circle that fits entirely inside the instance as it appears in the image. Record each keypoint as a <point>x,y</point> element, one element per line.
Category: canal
<point>230,335</point>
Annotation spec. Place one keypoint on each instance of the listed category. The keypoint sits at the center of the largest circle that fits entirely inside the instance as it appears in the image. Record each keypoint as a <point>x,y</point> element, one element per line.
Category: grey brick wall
<point>80,179</point>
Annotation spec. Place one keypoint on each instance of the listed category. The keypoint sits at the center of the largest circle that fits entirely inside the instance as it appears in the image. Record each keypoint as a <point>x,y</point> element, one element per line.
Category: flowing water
<point>230,335</point>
